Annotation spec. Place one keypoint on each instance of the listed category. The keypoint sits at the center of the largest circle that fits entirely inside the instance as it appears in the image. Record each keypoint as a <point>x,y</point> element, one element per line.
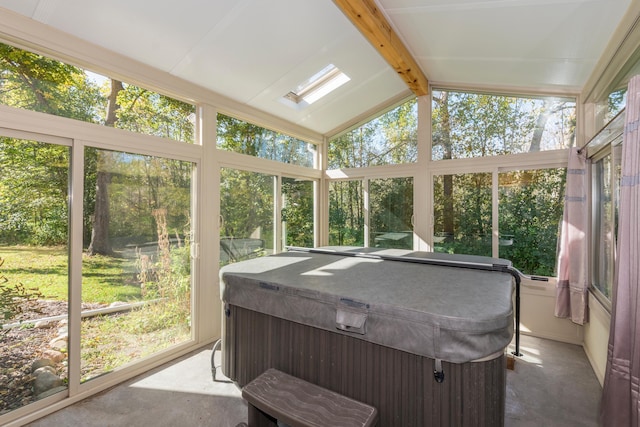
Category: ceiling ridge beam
<point>371,22</point>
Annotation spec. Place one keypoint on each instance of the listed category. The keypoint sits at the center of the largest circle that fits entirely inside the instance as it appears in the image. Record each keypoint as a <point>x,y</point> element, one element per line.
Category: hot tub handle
<point>438,372</point>
<point>351,321</point>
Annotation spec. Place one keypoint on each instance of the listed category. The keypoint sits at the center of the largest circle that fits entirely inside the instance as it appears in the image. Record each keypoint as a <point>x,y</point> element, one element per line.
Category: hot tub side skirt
<point>399,384</point>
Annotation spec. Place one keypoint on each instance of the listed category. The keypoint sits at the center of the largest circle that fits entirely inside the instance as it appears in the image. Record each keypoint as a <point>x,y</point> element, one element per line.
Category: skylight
<point>319,85</point>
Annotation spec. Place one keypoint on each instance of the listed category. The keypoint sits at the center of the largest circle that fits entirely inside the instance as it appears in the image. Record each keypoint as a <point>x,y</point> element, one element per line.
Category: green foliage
<point>531,206</point>
<point>462,215</point>
<point>34,185</point>
<point>246,138</point>
<point>34,176</point>
<point>34,82</point>
<point>297,213</point>
<point>391,210</point>
<point>150,113</point>
<point>166,281</point>
<point>246,205</point>
<point>13,295</point>
<point>468,125</point>
<point>346,213</point>
<point>391,138</point>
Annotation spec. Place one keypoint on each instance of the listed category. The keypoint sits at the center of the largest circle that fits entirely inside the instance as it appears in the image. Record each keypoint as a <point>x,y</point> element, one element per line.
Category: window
<point>531,204</point>
<point>346,213</point>
<point>389,139</point>
<point>469,125</point>
<point>318,86</point>
<point>616,102</point>
<point>137,278</point>
<point>462,213</point>
<point>246,138</point>
<point>34,263</point>
<point>371,212</point>
<point>37,83</point>
<point>247,210</point>
<point>297,212</point>
<point>391,213</point>
<point>606,175</point>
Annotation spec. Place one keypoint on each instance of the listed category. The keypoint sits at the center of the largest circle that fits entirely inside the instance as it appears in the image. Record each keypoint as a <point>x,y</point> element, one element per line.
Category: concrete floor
<point>552,385</point>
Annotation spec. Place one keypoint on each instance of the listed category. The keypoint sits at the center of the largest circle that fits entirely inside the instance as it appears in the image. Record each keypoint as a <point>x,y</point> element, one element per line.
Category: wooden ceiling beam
<point>366,16</point>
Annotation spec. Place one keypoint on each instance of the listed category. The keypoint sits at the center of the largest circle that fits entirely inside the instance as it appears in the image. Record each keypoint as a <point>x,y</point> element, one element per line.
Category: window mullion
<point>495,234</point>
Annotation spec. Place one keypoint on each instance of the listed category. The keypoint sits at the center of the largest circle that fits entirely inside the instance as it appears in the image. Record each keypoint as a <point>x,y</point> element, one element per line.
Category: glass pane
<point>247,209</point>
<point>390,139</point>
<point>467,125</point>
<point>462,213</point>
<point>603,239</point>
<point>37,83</point>
<point>34,284</point>
<point>531,203</point>
<point>297,212</point>
<point>346,213</point>
<point>390,212</point>
<point>136,273</point>
<point>617,171</point>
<point>246,138</point>
<point>616,101</point>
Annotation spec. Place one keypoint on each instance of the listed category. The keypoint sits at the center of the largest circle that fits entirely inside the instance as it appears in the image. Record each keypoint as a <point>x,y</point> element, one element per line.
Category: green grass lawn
<point>104,279</point>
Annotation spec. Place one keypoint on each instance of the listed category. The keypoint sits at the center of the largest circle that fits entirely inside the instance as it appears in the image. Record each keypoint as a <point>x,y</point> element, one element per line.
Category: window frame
<point>494,165</point>
<point>601,152</point>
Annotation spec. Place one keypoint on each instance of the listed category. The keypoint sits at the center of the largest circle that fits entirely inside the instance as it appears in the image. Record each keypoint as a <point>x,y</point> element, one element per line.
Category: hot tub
<point>423,343</point>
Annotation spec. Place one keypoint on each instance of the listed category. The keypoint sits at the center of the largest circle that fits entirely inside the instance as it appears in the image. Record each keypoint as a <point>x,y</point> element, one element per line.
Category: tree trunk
<point>541,123</point>
<point>100,242</point>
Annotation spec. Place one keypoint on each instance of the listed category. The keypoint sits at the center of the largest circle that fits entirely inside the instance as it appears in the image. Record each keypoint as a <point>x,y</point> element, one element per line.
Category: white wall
<point>596,336</point>
<point>537,304</point>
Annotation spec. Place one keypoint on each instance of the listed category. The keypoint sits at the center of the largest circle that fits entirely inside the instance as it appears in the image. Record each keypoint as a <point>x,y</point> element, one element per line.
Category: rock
<point>54,355</point>
<point>51,392</point>
<point>40,363</point>
<point>59,342</point>
<point>44,324</point>
<point>45,380</point>
<point>44,369</point>
<point>118,304</point>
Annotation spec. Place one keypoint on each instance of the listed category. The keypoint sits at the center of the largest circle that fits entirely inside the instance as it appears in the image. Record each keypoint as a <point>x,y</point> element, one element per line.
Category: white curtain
<point>572,287</point>
<point>620,396</point>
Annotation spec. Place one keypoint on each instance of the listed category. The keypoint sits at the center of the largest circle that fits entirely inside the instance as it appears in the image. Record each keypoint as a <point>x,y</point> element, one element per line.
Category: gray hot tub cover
<point>449,313</point>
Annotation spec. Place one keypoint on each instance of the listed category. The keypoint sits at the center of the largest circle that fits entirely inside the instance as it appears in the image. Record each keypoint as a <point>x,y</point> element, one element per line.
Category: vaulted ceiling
<point>256,51</point>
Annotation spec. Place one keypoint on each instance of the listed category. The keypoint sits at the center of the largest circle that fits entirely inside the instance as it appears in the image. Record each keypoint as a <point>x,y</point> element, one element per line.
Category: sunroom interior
<point>145,147</point>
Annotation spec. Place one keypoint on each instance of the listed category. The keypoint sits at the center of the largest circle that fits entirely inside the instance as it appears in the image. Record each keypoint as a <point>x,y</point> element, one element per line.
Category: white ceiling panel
<point>251,52</point>
<point>540,44</point>
<point>159,35</point>
<point>25,7</point>
<point>255,51</point>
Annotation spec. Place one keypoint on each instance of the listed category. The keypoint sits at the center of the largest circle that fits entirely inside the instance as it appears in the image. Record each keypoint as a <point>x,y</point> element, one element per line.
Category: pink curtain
<point>620,396</point>
<point>572,287</point>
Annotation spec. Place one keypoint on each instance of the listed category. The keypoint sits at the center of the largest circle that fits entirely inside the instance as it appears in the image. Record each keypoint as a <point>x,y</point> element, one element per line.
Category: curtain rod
<point>609,127</point>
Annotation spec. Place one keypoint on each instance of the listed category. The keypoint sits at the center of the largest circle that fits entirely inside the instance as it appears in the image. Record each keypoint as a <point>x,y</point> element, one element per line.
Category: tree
<point>34,176</point>
<point>100,243</point>
<point>467,125</point>
<point>390,138</point>
<point>34,181</point>
<point>38,83</point>
<point>34,82</point>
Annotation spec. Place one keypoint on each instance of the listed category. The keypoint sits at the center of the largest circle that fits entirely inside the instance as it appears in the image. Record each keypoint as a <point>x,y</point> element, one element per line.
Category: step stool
<point>275,396</point>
